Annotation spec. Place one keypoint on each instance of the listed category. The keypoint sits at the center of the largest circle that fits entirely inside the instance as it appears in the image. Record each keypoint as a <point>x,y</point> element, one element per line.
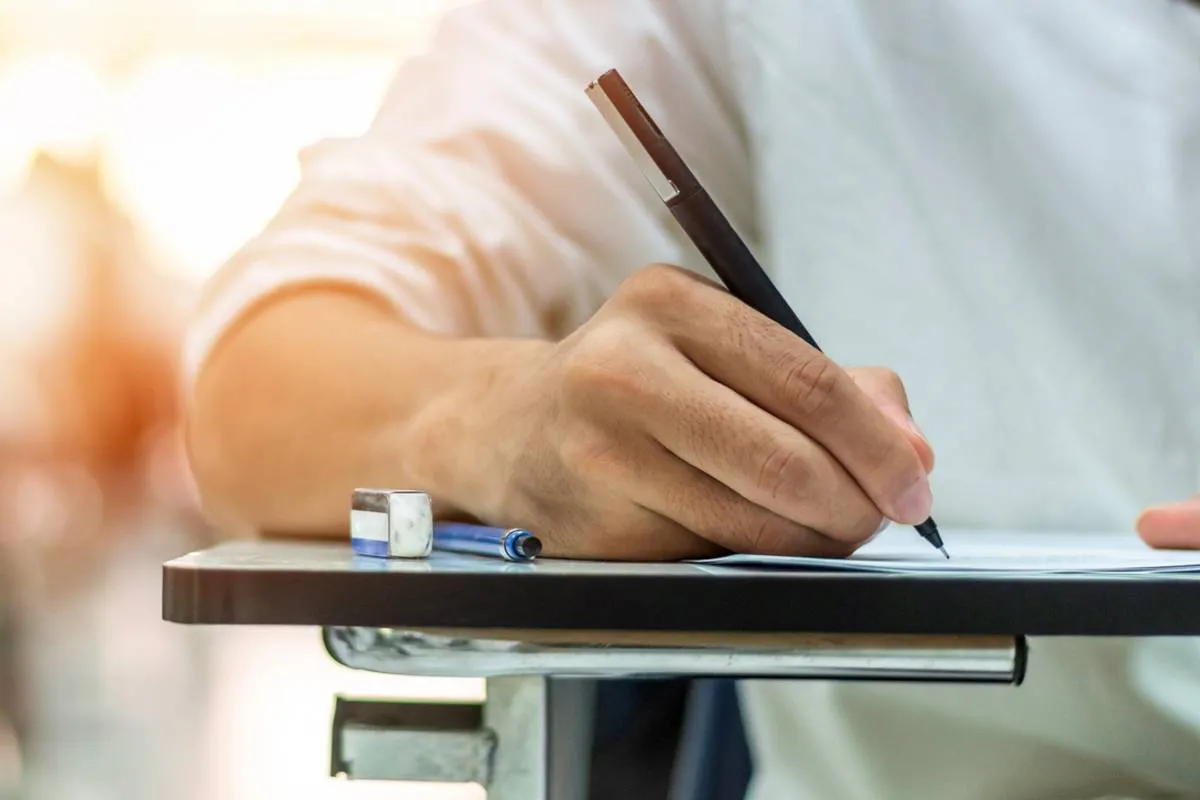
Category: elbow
<point>220,457</point>
<point>260,437</point>
<point>280,426</point>
<point>236,435</point>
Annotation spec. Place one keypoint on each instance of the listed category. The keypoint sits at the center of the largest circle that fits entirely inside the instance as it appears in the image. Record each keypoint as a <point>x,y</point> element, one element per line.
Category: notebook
<point>900,549</point>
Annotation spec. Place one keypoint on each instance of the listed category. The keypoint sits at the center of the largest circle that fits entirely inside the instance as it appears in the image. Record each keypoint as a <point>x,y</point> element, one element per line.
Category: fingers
<point>1176,525</point>
<point>762,460</point>
<point>697,502</point>
<point>596,518</point>
<point>771,367</point>
<point>637,534</point>
<point>645,503</point>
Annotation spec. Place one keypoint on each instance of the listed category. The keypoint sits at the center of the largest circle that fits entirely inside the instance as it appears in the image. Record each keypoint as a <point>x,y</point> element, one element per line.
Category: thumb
<point>885,388</point>
<point>1175,525</point>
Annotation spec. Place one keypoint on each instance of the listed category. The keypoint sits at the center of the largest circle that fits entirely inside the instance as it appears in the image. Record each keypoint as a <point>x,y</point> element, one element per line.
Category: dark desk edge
<point>741,601</point>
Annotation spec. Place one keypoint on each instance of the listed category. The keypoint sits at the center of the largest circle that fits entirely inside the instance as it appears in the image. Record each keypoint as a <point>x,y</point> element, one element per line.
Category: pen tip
<point>947,555</point>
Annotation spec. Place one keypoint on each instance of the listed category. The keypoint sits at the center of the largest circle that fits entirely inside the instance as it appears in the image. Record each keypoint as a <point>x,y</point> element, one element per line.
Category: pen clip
<point>615,115</point>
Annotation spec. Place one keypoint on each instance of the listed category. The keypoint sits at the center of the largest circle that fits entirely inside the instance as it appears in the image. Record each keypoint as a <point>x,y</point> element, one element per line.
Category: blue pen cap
<point>521,544</point>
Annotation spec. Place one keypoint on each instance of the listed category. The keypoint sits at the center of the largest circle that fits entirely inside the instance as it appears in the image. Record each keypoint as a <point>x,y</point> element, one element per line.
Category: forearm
<point>323,391</point>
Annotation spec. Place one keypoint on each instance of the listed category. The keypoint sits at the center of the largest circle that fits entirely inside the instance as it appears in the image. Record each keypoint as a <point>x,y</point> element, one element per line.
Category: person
<point>996,201</point>
<point>90,416</point>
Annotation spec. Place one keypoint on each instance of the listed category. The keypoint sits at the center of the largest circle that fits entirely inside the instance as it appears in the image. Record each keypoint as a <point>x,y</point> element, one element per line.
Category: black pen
<point>700,218</point>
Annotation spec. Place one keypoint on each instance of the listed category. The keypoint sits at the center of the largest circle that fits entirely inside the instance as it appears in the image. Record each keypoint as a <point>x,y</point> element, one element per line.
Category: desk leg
<point>571,717</point>
<point>544,735</point>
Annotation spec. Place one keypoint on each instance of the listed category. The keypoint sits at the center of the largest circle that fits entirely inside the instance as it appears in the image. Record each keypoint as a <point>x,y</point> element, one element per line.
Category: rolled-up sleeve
<point>488,198</point>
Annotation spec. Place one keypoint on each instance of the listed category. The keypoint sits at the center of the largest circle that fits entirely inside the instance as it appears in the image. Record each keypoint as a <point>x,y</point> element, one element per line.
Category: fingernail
<point>912,426</point>
<point>915,503</point>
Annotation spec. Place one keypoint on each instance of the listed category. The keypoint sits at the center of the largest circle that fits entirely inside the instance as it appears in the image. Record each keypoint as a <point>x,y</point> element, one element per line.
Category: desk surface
<point>302,583</point>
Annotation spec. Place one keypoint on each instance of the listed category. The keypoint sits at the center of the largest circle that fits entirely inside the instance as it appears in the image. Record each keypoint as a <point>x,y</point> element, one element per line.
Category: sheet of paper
<point>901,550</point>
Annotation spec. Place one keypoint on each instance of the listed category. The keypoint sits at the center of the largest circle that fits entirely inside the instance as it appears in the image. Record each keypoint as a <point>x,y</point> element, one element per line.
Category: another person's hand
<point>680,423</point>
<point>1175,525</point>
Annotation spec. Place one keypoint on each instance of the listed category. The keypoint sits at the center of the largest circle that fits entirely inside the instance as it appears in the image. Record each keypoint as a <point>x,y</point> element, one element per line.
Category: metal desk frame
<point>531,737</point>
<point>542,634</point>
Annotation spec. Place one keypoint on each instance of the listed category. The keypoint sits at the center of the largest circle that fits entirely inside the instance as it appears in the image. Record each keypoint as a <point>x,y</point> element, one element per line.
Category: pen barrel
<point>732,260</point>
<point>480,540</point>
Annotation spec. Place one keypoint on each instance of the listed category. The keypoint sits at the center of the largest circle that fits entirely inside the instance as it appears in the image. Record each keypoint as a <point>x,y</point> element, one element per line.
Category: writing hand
<point>678,422</point>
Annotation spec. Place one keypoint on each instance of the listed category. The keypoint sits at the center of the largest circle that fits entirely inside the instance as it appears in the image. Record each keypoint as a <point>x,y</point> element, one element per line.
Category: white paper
<point>901,550</point>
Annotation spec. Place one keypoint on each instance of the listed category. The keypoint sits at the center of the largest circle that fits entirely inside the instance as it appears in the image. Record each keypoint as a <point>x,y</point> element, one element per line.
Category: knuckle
<point>767,534</point>
<point>781,471</point>
<point>656,290</point>
<point>893,384</point>
<point>589,453</point>
<point>600,369</point>
<point>809,383</point>
<point>881,382</point>
<point>890,379</point>
<point>580,371</point>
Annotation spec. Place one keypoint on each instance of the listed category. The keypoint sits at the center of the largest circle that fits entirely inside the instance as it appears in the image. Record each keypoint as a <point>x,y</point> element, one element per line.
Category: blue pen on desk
<point>511,544</point>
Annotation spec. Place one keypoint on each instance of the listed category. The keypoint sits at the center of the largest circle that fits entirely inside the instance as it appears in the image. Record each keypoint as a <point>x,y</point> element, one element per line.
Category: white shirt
<point>1001,201</point>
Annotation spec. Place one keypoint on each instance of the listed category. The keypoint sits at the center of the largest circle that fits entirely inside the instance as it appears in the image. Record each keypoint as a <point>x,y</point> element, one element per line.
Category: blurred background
<point>141,141</point>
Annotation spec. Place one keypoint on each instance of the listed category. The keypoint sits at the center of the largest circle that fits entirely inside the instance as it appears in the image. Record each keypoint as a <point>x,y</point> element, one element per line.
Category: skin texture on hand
<point>1175,525</point>
<point>679,423</point>
<point>641,436</point>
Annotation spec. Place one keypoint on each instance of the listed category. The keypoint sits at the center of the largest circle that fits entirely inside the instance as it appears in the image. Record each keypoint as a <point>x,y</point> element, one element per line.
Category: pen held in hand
<point>700,218</point>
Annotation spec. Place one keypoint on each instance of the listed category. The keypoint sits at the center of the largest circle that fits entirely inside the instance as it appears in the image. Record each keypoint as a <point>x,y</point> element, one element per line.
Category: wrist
<point>459,446</point>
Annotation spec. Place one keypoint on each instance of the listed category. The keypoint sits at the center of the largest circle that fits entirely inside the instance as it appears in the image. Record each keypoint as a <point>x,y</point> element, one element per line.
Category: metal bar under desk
<point>624,654</point>
<point>530,738</point>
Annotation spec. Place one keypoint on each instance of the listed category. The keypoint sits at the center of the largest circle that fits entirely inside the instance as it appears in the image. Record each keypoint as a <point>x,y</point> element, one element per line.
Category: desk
<point>524,627</point>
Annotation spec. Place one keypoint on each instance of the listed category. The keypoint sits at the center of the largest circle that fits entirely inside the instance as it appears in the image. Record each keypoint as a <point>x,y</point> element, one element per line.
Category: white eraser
<point>391,523</point>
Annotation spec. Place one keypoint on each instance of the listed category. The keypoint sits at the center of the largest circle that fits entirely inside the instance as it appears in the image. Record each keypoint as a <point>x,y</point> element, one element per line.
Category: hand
<point>680,423</point>
<point>1176,525</point>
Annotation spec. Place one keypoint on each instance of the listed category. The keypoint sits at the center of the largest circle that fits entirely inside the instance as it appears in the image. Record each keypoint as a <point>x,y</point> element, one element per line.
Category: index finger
<point>776,370</point>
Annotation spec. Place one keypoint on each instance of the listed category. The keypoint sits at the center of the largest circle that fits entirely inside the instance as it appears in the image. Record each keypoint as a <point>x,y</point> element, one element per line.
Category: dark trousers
<point>669,740</point>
